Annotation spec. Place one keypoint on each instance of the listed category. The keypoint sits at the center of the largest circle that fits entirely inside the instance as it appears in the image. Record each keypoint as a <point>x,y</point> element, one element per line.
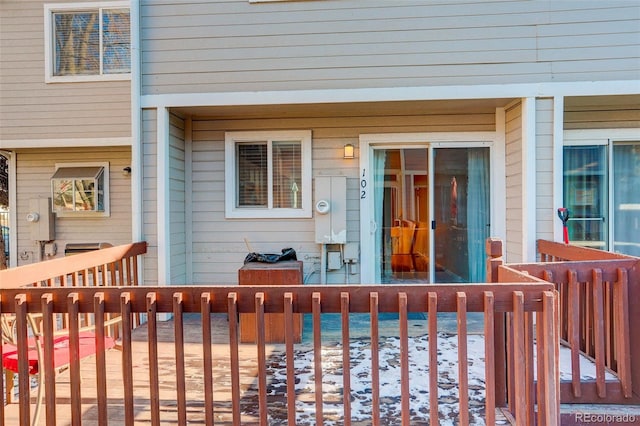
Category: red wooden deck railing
<point>599,295</point>
<point>525,300</point>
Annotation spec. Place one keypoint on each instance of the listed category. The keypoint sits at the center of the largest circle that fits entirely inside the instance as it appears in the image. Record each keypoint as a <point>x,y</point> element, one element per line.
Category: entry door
<point>429,215</point>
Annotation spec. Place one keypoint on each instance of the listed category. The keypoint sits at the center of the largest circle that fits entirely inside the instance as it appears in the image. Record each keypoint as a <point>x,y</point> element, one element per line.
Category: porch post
<point>494,252</point>
<point>558,156</point>
<point>529,206</point>
<point>163,196</point>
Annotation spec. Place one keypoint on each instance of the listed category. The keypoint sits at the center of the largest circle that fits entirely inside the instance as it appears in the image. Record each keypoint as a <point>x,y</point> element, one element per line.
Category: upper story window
<point>80,188</point>
<point>268,174</point>
<point>87,41</point>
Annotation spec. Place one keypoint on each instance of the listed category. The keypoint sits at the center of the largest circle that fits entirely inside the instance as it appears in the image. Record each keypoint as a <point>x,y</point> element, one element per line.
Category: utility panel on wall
<point>331,209</point>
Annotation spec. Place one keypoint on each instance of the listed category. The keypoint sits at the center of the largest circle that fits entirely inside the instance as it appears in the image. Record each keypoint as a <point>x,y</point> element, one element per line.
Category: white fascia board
<point>624,87</point>
<point>64,142</point>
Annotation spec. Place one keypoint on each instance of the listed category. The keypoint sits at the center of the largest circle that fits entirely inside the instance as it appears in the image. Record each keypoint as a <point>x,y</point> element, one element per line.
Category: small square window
<point>268,174</point>
<point>80,188</point>
<point>86,42</point>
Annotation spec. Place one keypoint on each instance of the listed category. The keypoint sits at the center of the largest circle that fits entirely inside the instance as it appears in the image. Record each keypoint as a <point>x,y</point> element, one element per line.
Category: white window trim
<point>49,9</point>
<point>107,209</point>
<point>231,211</point>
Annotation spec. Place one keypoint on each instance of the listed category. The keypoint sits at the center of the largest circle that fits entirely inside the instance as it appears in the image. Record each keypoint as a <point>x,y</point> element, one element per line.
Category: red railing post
<point>494,252</point>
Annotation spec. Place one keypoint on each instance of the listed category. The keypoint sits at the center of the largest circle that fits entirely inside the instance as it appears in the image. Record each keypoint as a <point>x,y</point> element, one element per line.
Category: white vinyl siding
<point>514,184</point>
<point>177,214</point>
<point>32,109</point>
<point>545,208</point>
<point>34,170</point>
<point>226,46</point>
<point>150,195</point>
<point>602,112</point>
<point>219,245</point>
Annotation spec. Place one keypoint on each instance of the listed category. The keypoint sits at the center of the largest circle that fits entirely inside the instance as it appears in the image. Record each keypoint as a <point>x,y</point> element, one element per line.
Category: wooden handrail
<point>599,294</point>
<point>522,298</point>
<point>55,334</point>
<point>36,272</point>
<point>560,251</point>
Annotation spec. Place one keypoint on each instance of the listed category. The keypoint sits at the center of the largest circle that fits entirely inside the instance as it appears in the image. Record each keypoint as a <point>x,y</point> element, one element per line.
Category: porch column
<point>163,196</point>
<point>558,158</point>
<point>528,179</point>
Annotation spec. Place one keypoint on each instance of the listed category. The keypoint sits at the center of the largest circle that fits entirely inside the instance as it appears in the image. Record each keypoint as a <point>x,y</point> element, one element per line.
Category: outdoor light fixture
<point>348,151</point>
<point>126,171</point>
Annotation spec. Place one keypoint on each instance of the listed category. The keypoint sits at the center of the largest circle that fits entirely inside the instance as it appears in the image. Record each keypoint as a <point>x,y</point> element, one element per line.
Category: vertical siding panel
<point>149,194</point>
<point>545,209</point>
<point>514,178</point>
<point>177,196</point>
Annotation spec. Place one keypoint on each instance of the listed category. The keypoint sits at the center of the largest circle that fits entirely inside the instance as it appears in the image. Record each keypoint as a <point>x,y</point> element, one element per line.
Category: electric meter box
<point>331,209</point>
<point>41,220</point>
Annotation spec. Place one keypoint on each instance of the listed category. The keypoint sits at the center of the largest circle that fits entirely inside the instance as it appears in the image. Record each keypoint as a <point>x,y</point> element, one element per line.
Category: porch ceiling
<point>483,106</point>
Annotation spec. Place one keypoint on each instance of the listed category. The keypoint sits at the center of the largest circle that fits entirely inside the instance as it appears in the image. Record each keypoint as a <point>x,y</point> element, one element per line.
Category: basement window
<point>80,189</point>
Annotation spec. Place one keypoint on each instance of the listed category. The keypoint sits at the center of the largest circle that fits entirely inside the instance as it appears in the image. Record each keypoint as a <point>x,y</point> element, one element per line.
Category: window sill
<point>87,78</point>
<point>268,214</point>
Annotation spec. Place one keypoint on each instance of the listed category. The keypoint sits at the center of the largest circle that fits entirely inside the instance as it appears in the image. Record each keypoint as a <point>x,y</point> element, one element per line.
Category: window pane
<point>626,198</point>
<point>116,41</point>
<point>77,42</point>
<point>85,195</point>
<point>62,194</point>
<point>287,175</point>
<point>252,175</point>
<point>586,195</point>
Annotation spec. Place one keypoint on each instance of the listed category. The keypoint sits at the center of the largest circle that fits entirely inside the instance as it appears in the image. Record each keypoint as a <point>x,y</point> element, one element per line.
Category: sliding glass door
<point>462,213</point>
<point>601,192</point>
<point>626,198</point>
<point>431,213</point>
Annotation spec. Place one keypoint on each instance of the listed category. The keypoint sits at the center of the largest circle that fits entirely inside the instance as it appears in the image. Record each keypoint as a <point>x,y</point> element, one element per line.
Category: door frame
<point>369,142</point>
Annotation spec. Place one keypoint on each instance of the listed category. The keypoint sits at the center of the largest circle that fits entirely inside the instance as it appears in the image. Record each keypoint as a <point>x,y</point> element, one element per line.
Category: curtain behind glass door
<point>462,213</point>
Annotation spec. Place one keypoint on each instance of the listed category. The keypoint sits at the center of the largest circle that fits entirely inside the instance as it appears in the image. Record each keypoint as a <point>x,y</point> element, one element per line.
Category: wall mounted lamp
<point>349,151</point>
<point>126,171</point>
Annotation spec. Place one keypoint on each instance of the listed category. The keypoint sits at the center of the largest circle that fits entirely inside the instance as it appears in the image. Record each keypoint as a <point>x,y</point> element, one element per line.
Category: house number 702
<point>363,186</point>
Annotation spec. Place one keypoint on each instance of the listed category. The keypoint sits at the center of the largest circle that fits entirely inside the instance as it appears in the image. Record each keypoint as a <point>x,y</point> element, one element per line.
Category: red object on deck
<point>61,351</point>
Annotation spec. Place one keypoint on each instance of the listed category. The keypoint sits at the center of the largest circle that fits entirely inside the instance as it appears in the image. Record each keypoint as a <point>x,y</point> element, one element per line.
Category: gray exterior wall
<point>33,109</point>
<point>34,170</point>
<point>150,195</point>
<point>177,197</point>
<point>219,247</point>
<point>602,112</point>
<point>225,46</point>
<point>514,183</point>
<point>545,208</point>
